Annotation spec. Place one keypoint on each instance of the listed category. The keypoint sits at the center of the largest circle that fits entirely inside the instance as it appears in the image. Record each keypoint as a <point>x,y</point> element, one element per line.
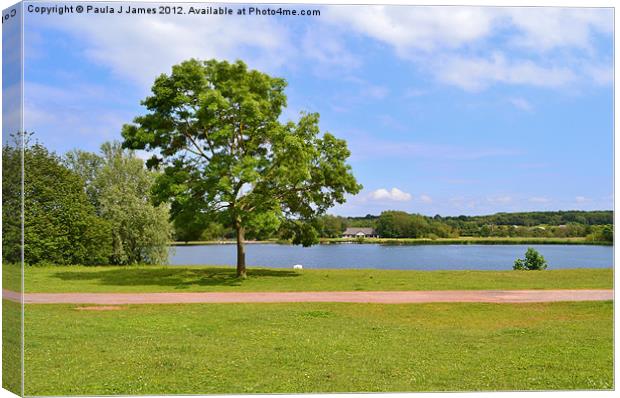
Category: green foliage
<point>330,226</point>
<point>120,186</point>
<point>215,231</point>
<point>533,261</point>
<point>87,165</point>
<point>214,128</point>
<point>189,226</point>
<point>398,224</point>
<point>11,200</point>
<point>368,221</point>
<point>468,240</point>
<point>561,224</point>
<point>60,224</point>
<point>263,226</point>
<point>555,223</point>
<point>601,233</point>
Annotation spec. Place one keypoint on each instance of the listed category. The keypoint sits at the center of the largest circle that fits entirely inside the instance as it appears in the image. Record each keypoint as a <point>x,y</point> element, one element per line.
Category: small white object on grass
<point>298,266</point>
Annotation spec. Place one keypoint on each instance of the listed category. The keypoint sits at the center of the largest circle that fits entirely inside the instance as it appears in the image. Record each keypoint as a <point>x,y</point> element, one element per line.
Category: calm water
<point>430,257</point>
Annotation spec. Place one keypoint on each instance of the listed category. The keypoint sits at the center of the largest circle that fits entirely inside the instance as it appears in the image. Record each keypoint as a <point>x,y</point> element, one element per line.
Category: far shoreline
<point>417,241</point>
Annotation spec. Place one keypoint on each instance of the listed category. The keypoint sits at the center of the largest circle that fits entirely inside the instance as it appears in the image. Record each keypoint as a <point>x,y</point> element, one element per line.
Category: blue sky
<point>448,110</point>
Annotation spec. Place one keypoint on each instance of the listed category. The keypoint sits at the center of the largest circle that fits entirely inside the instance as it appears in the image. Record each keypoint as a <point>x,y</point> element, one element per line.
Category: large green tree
<point>60,224</point>
<point>119,186</point>
<point>214,127</point>
<point>11,199</point>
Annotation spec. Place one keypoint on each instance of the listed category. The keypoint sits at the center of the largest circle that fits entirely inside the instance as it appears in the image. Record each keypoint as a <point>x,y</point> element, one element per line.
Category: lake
<point>415,257</point>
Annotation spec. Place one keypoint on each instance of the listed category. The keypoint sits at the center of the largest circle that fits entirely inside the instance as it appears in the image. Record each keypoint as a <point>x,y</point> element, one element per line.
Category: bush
<point>533,261</point>
<point>601,233</point>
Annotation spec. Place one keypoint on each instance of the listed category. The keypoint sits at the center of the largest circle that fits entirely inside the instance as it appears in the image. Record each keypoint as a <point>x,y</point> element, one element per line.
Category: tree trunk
<point>241,273</point>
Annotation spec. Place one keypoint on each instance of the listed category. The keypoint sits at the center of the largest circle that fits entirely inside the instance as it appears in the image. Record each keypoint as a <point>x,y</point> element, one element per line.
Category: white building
<point>360,233</point>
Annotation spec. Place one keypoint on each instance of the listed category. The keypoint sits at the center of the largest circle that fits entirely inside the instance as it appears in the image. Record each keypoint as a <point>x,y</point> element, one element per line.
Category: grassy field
<point>296,348</point>
<point>464,240</point>
<point>11,346</point>
<point>204,279</point>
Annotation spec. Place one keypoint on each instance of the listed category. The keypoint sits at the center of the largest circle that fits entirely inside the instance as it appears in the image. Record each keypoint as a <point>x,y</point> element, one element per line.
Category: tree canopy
<point>214,128</point>
<point>60,224</point>
<point>119,186</point>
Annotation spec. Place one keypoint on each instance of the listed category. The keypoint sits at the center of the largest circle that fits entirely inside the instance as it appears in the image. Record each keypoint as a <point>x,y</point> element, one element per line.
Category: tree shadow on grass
<point>179,278</point>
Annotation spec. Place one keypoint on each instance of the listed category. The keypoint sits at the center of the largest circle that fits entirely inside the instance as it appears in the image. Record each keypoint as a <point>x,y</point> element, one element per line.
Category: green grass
<point>205,279</point>
<point>302,348</point>
<point>11,346</point>
<point>12,277</point>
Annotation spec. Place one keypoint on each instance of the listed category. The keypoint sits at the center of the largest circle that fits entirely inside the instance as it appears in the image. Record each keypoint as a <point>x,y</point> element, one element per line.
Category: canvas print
<point>225,198</point>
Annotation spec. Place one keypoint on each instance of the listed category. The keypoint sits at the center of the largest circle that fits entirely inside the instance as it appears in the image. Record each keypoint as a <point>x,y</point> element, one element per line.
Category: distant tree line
<point>83,208</point>
<point>535,218</point>
<point>595,225</point>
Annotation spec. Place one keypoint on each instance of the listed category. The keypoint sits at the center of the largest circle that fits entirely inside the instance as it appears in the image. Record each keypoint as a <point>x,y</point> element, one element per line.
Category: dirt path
<point>384,297</point>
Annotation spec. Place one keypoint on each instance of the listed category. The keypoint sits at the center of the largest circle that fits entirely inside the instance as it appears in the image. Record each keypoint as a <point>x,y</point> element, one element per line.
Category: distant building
<point>360,233</point>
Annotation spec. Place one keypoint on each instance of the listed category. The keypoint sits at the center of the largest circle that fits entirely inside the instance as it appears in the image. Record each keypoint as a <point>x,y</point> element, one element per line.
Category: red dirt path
<point>383,297</point>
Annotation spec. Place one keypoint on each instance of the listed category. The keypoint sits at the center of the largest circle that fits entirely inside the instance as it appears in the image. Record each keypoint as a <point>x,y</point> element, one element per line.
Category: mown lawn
<point>199,279</point>
<point>11,346</point>
<point>297,348</point>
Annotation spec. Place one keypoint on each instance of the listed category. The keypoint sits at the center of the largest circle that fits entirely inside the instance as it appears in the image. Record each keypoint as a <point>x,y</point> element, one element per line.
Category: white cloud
<point>521,103</point>
<point>328,50</point>
<point>600,74</point>
<point>433,28</point>
<point>456,45</point>
<point>544,29</point>
<point>539,199</point>
<point>394,194</point>
<point>468,47</point>
<point>477,73</point>
<point>423,28</point>
<point>460,45</point>
<point>426,199</point>
<point>141,47</point>
<point>581,199</point>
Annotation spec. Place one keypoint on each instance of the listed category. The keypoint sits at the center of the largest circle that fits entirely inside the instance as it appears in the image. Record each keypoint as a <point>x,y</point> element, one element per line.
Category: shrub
<point>601,233</point>
<point>533,261</point>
